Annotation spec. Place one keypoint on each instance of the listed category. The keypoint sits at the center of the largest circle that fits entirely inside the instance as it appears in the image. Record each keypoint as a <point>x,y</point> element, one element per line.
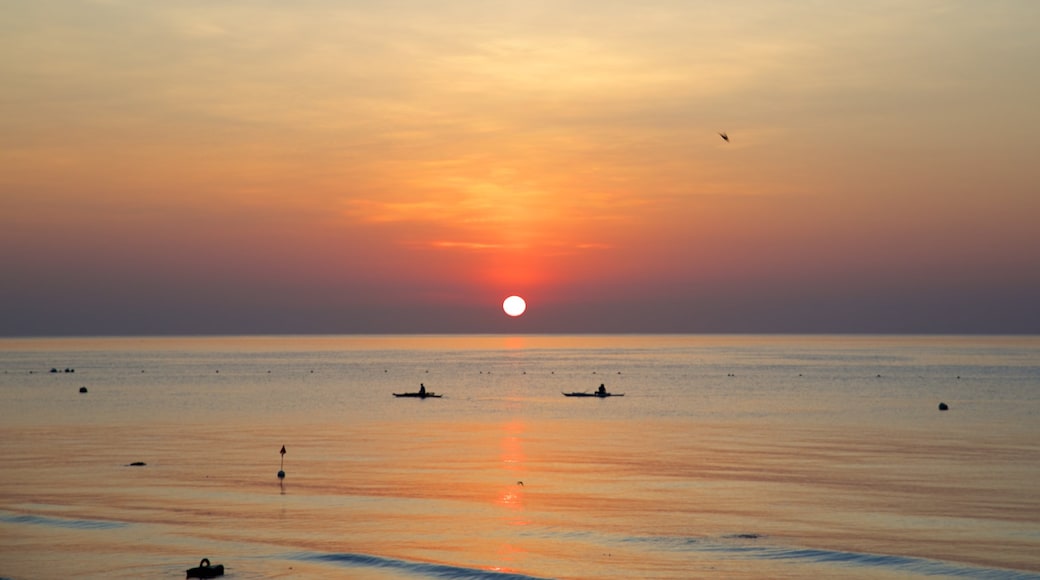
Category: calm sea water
<point>728,457</point>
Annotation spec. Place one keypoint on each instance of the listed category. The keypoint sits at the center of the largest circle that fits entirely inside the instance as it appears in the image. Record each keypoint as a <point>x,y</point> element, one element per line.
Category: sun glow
<point>514,306</point>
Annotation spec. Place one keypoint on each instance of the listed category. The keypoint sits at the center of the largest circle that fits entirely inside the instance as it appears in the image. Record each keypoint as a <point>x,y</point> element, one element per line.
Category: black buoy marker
<point>281,466</point>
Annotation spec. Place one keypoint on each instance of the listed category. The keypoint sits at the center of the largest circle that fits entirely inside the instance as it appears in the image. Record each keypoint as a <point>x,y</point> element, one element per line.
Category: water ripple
<point>420,568</point>
<point>908,564</point>
<point>61,522</point>
<point>911,564</point>
<point>746,545</point>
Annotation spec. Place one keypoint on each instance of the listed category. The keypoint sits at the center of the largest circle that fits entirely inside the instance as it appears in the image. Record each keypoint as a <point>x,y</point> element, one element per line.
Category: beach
<point>727,457</point>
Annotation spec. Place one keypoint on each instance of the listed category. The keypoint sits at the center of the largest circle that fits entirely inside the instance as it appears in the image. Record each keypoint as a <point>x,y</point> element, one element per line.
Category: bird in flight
<point>725,137</point>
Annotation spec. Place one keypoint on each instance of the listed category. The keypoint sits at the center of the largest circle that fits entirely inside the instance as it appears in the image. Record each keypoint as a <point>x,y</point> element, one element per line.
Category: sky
<point>399,166</point>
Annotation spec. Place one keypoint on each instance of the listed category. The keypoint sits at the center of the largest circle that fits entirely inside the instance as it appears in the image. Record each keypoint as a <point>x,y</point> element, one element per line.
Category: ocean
<point>727,457</point>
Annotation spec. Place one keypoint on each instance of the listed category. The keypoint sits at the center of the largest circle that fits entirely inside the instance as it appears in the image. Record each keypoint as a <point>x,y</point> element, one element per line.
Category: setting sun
<point>514,306</point>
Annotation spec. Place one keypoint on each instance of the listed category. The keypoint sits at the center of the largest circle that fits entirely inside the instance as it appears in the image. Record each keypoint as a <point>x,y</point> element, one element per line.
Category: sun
<point>514,306</point>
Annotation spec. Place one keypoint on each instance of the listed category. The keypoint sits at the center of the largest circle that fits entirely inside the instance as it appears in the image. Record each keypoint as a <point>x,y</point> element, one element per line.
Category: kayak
<point>418,395</point>
<point>600,395</point>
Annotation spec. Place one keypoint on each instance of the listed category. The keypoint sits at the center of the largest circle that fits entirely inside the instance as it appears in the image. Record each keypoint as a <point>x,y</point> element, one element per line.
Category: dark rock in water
<point>82,389</point>
<point>136,464</point>
<point>943,407</point>
<point>204,570</point>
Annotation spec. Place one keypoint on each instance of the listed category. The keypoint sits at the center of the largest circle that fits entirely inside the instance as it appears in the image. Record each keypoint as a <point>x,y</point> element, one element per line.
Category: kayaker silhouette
<point>602,390</point>
<point>422,390</point>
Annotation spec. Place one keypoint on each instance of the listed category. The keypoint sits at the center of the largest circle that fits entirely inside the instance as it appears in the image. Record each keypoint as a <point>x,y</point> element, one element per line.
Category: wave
<point>419,568</point>
<point>738,545</point>
<point>922,566</point>
<point>61,522</point>
<point>746,545</point>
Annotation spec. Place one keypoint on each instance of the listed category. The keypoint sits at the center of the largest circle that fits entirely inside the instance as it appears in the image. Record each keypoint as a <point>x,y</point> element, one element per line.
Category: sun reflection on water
<point>513,463</point>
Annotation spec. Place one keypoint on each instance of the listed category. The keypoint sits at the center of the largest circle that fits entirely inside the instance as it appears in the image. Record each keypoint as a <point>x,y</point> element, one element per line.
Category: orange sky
<point>328,166</point>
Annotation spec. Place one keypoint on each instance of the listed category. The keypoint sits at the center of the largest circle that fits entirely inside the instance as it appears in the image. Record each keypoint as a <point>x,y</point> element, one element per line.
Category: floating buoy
<point>281,467</point>
<point>944,407</point>
<point>204,570</point>
<point>82,389</point>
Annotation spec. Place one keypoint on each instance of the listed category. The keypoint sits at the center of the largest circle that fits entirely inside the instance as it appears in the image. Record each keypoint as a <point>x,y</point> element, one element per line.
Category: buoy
<point>281,467</point>
<point>204,570</point>
<point>943,407</point>
<point>82,389</point>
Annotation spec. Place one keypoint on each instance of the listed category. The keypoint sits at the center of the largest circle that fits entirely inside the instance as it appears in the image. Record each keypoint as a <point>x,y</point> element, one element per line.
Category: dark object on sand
<point>82,389</point>
<point>944,407</point>
<point>205,570</point>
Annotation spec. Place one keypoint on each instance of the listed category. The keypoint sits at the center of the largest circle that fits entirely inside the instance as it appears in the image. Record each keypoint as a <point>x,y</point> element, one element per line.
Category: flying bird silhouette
<point>725,137</point>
